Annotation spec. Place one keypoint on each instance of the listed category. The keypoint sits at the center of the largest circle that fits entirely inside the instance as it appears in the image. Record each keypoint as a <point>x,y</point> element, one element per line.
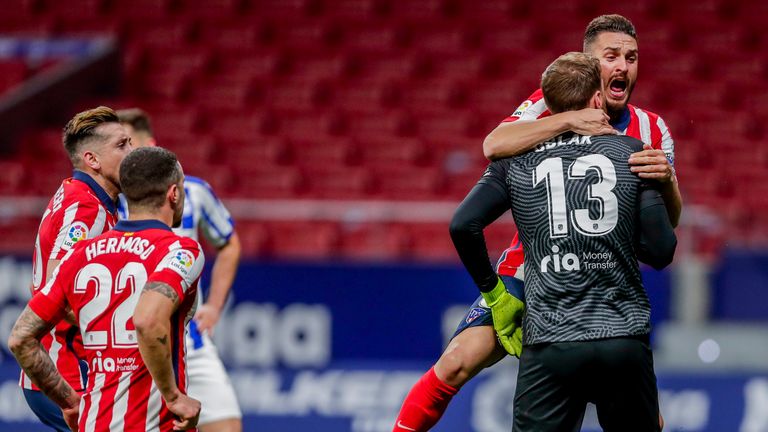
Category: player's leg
<point>548,397</point>
<point>629,396</point>
<point>48,412</point>
<point>210,384</point>
<point>473,347</point>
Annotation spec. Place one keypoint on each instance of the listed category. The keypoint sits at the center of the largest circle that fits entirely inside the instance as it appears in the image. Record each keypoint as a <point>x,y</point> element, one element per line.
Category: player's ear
<point>597,100</point>
<point>173,194</point>
<point>90,159</point>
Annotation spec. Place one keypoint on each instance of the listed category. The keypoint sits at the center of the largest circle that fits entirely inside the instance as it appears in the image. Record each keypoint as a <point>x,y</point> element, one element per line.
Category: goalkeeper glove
<point>507,312</point>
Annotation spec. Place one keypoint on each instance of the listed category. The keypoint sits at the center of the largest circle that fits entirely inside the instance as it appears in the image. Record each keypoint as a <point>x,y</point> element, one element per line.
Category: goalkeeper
<point>584,219</point>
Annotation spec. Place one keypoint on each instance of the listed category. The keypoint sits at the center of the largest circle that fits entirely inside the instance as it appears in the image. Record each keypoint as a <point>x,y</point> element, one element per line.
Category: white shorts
<point>210,384</point>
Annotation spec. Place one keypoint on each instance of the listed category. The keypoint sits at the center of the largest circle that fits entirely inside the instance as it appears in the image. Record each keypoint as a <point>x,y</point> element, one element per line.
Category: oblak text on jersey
<point>131,244</point>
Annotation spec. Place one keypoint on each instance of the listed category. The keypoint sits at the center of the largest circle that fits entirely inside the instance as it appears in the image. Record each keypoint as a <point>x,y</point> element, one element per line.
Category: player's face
<point>111,151</point>
<point>618,58</point>
<point>139,139</point>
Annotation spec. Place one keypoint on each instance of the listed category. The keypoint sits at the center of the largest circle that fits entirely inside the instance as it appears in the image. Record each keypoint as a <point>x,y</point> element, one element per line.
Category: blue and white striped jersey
<point>203,212</point>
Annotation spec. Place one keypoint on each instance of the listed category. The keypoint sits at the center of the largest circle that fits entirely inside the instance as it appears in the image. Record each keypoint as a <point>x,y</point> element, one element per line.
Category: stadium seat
<point>303,240</point>
<point>382,151</point>
<point>373,242</point>
<point>323,151</point>
<point>408,183</point>
<point>341,183</point>
<point>431,242</point>
<point>269,182</point>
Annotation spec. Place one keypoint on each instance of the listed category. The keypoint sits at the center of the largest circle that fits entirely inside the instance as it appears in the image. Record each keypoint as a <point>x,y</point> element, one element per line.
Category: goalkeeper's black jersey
<point>574,201</point>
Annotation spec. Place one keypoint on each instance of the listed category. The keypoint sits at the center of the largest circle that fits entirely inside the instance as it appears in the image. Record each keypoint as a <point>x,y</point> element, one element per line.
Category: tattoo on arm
<point>163,289</point>
<point>34,359</point>
<point>163,340</point>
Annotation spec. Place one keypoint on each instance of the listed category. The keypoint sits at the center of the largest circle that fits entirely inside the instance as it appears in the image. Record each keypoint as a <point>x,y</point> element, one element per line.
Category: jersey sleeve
<point>81,220</point>
<point>181,266</point>
<point>50,302</point>
<point>532,108</point>
<point>667,143</point>
<point>495,176</point>
<point>216,222</point>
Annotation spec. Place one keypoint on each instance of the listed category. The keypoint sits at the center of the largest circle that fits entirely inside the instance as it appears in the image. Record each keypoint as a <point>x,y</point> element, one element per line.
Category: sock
<point>425,404</point>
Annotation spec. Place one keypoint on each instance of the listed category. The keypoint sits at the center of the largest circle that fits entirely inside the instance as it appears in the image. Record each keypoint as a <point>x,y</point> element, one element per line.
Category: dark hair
<point>607,23</point>
<point>82,128</point>
<point>146,174</point>
<point>136,118</point>
<point>570,81</point>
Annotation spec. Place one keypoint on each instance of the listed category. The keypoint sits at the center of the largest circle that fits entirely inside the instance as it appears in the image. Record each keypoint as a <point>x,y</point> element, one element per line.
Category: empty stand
<point>391,100</point>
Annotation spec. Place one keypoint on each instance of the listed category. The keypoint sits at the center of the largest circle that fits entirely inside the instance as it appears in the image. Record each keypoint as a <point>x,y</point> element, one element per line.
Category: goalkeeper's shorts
<point>479,314</point>
<point>556,380</point>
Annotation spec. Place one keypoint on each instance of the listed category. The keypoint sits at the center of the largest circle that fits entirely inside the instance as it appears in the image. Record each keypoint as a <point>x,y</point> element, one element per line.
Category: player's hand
<point>72,416</point>
<point>652,164</point>
<point>206,317</point>
<point>590,121</point>
<point>507,312</point>
<point>186,409</point>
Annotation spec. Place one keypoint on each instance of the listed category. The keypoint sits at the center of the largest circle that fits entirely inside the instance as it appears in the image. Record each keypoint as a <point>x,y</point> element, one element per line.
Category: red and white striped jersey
<point>644,125</point>
<point>80,209</point>
<point>101,281</point>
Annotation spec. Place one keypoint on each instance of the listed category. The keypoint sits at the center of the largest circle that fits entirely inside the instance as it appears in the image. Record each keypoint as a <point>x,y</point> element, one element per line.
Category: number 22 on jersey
<point>551,172</point>
<point>131,277</point>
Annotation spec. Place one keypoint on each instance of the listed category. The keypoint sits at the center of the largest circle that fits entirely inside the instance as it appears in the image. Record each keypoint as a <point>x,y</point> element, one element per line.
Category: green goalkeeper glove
<point>507,312</point>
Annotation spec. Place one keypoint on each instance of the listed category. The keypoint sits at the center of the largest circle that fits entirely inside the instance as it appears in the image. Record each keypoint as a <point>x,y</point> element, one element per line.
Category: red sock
<point>425,404</point>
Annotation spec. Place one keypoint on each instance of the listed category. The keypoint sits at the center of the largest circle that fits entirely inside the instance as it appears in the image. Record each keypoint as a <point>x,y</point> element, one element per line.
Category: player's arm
<point>53,264</point>
<point>512,138</point>
<point>25,345</point>
<point>218,228</point>
<point>656,240</point>
<point>152,318</point>
<point>485,203</point>
<point>653,164</point>
<point>222,277</point>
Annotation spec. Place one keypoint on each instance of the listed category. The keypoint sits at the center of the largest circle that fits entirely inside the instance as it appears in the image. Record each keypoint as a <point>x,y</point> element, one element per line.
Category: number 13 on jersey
<point>551,172</point>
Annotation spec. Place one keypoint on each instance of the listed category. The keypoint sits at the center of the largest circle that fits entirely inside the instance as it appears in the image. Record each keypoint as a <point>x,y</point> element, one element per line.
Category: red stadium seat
<point>365,96</point>
<point>434,96</point>
<point>352,10</point>
<point>336,182</point>
<point>269,182</point>
<point>254,238</point>
<point>254,155</point>
<point>373,242</point>
<point>432,242</point>
<point>373,38</point>
<point>382,151</point>
<point>392,123</point>
<point>408,183</point>
<point>307,240</point>
<point>323,151</point>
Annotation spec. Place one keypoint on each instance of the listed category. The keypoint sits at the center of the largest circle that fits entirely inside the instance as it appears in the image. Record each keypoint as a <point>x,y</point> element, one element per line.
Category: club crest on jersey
<point>568,262</point>
<point>521,109</point>
<point>474,314</point>
<point>182,262</point>
<point>77,231</point>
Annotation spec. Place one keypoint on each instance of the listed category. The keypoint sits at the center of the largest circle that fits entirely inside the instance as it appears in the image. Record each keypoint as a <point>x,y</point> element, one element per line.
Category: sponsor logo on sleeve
<point>521,109</point>
<point>182,262</point>
<point>474,314</point>
<point>77,231</point>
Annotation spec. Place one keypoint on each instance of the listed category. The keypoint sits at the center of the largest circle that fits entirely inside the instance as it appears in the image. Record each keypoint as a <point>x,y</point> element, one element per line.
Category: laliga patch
<point>474,314</point>
<point>77,231</point>
<point>521,109</point>
<point>182,262</point>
